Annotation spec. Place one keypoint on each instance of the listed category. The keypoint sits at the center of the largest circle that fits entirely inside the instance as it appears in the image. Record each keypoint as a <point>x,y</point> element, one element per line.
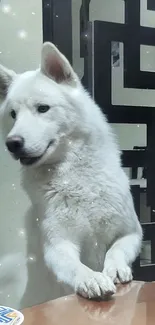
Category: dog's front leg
<point>63,258</point>
<point>120,256</point>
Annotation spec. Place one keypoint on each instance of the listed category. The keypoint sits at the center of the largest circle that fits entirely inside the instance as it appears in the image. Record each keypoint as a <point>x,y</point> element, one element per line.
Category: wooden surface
<point>134,304</point>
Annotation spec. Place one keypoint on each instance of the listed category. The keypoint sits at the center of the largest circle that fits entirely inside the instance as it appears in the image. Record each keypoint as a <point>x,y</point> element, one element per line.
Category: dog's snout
<point>15,144</point>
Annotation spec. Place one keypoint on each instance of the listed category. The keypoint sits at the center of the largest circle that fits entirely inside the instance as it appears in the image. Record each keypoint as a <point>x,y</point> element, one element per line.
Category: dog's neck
<point>67,155</point>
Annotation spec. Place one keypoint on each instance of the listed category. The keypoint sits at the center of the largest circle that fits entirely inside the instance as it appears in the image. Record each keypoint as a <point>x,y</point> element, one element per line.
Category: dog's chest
<point>72,203</point>
<point>55,182</point>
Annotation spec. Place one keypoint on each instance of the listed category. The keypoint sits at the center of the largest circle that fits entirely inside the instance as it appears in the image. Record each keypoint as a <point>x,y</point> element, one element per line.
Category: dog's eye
<point>43,108</point>
<point>13,114</point>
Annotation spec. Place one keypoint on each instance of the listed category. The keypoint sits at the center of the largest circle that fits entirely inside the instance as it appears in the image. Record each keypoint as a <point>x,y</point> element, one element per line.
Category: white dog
<point>72,172</point>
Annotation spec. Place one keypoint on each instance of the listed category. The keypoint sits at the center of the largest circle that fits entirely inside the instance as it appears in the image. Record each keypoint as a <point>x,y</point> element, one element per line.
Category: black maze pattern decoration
<point>57,24</point>
<point>97,46</point>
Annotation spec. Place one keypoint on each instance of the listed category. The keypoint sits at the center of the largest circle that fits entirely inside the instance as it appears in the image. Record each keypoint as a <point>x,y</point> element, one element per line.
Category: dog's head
<point>38,108</point>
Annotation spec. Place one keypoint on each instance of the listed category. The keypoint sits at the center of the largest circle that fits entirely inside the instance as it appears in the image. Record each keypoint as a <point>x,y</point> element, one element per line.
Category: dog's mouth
<point>28,160</point>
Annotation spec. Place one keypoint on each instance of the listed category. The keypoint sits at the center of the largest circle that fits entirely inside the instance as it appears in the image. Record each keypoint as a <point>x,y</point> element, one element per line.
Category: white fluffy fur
<point>90,231</point>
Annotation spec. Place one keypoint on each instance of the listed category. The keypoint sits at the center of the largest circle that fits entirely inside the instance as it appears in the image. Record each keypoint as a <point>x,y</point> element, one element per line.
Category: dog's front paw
<point>118,273</point>
<point>94,285</point>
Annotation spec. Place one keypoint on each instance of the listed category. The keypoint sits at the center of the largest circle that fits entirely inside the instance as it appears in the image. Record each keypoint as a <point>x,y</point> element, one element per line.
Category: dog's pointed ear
<point>6,78</point>
<point>55,65</point>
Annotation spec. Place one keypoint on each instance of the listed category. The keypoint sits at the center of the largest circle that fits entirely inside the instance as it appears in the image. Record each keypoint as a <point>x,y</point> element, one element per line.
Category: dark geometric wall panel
<point>57,24</point>
<point>104,34</point>
<point>132,35</point>
<point>135,35</point>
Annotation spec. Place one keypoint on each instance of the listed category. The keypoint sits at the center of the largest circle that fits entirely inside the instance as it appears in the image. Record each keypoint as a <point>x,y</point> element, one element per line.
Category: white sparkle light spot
<point>153,210</point>
<point>8,296</point>
<point>22,34</point>
<point>6,8</point>
<point>56,16</point>
<point>21,232</point>
<point>37,219</point>
<point>32,258</point>
<point>137,125</point>
<point>49,170</point>
<point>33,13</point>
<point>13,186</point>
<point>1,53</point>
<point>96,244</point>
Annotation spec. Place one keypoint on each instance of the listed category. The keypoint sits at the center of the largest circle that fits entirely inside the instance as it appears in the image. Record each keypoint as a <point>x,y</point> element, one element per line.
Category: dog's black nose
<point>15,144</point>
